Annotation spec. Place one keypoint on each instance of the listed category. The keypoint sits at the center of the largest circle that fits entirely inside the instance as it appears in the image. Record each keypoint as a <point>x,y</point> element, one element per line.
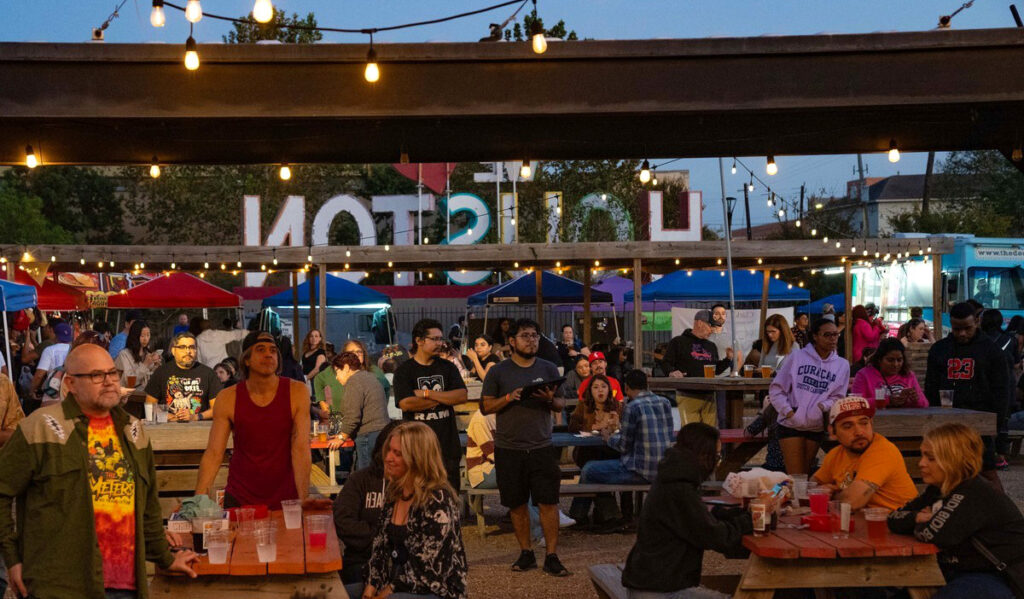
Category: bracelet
<point>199,417</point>
<point>426,394</point>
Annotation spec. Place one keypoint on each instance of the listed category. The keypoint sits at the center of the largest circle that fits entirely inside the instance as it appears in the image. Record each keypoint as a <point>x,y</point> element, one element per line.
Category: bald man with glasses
<point>187,386</point>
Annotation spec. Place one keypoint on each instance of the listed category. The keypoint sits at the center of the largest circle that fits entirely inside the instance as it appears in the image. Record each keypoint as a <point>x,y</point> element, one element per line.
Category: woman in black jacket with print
<point>957,509</point>
<point>675,527</point>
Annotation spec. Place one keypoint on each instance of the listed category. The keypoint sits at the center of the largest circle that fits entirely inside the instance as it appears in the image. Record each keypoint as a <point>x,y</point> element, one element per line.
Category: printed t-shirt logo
<point>434,382</point>
<point>814,378</point>
<point>960,369</point>
<point>184,393</point>
<point>699,353</point>
<point>113,500</point>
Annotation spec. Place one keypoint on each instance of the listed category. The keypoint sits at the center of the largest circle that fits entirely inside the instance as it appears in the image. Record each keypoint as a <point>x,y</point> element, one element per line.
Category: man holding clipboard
<point>521,391</point>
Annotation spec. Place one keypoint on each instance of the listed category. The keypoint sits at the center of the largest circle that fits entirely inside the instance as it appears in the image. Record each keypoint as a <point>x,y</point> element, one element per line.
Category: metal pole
<point>448,213</point>
<point>865,229</point>
<point>587,281</point>
<point>322,280</point>
<point>848,311</point>
<point>419,211</point>
<point>538,278</point>
<point>296,349</point>
<point>746,207</point>
<point>728,261</point>
<point>638,337</point>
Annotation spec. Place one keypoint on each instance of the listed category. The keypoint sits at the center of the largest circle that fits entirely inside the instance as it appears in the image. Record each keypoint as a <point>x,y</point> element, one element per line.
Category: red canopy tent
<point>176,290</point>
<point>53,296</point>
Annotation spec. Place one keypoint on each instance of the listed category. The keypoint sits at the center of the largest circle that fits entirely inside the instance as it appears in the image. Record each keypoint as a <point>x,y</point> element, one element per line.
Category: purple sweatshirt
<point>808,386</point>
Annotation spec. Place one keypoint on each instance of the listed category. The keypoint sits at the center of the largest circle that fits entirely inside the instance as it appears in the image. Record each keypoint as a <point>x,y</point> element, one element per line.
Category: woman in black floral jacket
<point>418,551</point>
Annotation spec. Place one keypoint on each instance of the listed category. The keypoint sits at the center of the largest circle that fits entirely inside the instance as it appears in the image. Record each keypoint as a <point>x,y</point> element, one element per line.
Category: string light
<point>275,257</point>
<point>814,232</point>
<point>193,11</point>
<point>173,266</point>
<point>750,186</point>
<point>824,239</point>
<point>645,171</point>
<point>734,167</point>
<point>558,264</point>
<point>191,54</point>
<point>515,265</point>
<point>157,18</point>
<point>654,176</point>
<point>390,263</point>
<point>760,261</point>
<point>540,44</point>
<point>263,11</point>
<point>263,267</point>
<point>346,266</point>
<point>805,258</point>
<point>782,212</point>
<point>30,157</point>
<point>525,171</point>
<point>285,172</point>
<point>597,263</point>
<point>223,266</point>
<point>142,265</point>
<point>111,264</point>
<point>797,223</point>
<point>100,264</point>
<point>53,258</point>
<point>1017,154</point>
<point>372,72</point>
<point>348,253</point>
<point>894,153</point>
<point>677,261</point>
<point>719,261</point>
<point>82,260</point>
<point>387,247</point>
<point>154,169</point>
<point>513,222</point>
<point>771,168</point>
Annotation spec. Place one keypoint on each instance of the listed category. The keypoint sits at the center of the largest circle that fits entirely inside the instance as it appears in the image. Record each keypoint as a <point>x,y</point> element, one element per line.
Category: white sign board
<point>748,326</point>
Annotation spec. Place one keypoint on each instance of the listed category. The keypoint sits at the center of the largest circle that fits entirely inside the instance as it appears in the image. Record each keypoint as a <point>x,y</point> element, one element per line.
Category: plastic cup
<point>799,486</point>
<point>199,534</point>
<point>148,407</point>
<point>266,543</point>
<point>709,371</point>
<point>132,381</point>
<point>839,519</point>
<point>766,372</point>
<point>161,413</point>
<point>818,499</point>
<point>292,509</point>
<point>946,398</point>
<point>876,518</point>
<point>246,518</point>
<point>316,528</point>
<point>748,371</point>
<point>218,542</point>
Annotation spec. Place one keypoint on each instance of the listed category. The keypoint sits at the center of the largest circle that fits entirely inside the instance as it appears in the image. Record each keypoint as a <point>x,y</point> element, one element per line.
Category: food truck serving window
<point>1001,288</point>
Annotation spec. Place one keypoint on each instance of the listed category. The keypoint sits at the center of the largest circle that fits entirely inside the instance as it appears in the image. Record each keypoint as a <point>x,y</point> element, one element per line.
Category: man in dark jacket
<point>687,355</point>
<point>992,326</point>
<point>972,366</point>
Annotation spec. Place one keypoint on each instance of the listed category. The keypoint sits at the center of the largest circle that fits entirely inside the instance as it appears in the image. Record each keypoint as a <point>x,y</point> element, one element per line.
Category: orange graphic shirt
<point>113,504</point>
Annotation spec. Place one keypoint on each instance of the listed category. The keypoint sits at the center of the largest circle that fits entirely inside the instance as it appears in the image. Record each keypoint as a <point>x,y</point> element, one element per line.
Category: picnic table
<point>298,571</point>
<point>734,386</point>
<point>789,558</point>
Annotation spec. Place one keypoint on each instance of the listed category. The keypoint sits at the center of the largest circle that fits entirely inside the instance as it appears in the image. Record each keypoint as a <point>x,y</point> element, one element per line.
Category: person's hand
<point>606,433</point>
<point>335,443</point>
<point>515,395</point>
<point>14,573</point>
<point>923,516</point>
<point>182,563</point>
<point>573,352</point>
<point>585,350</point>
<point>676,374</point>
<point>316,502</point>
<point>547,394</point>
<point>172,538</point>
<point>325,411</point>
<point>729,353</point>
<point>384,593</point>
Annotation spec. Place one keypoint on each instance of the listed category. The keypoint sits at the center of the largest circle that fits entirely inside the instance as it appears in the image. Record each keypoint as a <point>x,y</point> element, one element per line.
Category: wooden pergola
<point>634,257</point>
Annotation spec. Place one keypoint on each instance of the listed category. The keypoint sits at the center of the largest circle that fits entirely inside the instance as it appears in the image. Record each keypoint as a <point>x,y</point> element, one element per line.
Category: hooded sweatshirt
<point>675,528</point>
<point>689,353</point>
<point>806,386</point>
<point>357,510</point>
<point>976,372</point>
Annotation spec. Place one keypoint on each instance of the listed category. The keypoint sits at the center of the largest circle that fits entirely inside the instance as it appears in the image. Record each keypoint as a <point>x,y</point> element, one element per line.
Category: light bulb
<point>206,265</point>
<point>513,222</point>
<point>771,168</point>
<point>348,253</point>
<point>1017,154</point>
<point>654,179</point>
<point>372,72</point>
<point>142,265</point>
<point>540,44</point>
<point>156,16</point>
<point>390,263</point>
<point>275,260</point>
<point>782,212</point>
<point>814,232</point>
<point>173,266</point>
<point>238,264</point>
<point>100,264</point>
<point>263,11</point>
<point>525,171</point>
<point>470,230</point>
<point>154,169</point>
<point>894,153</point>
<point>426,240</point>
<point>53,258</point>
<point>734,167</point>
<point>387,247</point>
<point>797,223</point>
<point>285,172</point>
<point>750,188</point>
<point>309,258</point>
<point>645,172</point>
<point>193,11</point>
<point>30,157</point>
<point>111,264</point>
<point>223,266</point>
<point>81,261</point>
<point>191,54</point>
<point>824,239</point>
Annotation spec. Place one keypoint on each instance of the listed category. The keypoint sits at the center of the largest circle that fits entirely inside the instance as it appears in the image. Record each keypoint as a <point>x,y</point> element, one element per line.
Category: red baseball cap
<point>596,355</point>
<point>848,407</point>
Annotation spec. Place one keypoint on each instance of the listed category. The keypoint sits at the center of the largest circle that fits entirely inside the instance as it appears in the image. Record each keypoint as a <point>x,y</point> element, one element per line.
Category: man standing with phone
<point>525,460</point>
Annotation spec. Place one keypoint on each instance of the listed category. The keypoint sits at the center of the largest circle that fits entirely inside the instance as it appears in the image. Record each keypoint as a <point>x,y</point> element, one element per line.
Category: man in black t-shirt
<point>185,385</point>
<point>427,386</point>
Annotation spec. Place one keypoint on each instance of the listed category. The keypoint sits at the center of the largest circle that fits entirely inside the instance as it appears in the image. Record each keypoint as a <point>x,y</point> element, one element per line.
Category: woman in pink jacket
<point>888,379</point>
<point>807,384</point>
<point>866,332</point>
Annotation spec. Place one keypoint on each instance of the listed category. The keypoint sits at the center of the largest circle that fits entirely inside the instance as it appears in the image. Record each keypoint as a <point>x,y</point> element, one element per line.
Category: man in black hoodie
<point>687,355</point>
<point>992,326</point>
<point>973,367</point>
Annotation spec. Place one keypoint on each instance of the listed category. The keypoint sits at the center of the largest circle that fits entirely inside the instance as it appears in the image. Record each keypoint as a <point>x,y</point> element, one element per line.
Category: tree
<point>520,33</point>
<point>250,32</point>
<point>76,200</point>
<point>22,219</point>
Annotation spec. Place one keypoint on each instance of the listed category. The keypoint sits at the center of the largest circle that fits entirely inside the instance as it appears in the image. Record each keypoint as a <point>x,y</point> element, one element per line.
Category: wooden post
<point>937,292</point>
<point>296,348</point>
<point>848,310</point>
<point>638,333</point>
<point>312,304</point>
<point>323,300</point>
<point>538,277</point>
<point>587,281</point>
<point>764,308</point>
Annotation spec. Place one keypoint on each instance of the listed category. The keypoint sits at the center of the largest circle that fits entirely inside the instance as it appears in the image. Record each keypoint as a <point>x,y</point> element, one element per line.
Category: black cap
<point>257,337</point>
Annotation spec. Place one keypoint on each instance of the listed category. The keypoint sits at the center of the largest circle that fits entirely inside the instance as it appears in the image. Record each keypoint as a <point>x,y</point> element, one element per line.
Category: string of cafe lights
<point>263,12</point>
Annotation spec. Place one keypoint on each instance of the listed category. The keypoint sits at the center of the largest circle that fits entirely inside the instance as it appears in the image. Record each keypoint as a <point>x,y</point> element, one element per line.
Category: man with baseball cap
<point>686,356</point>
<point>866,469</point>
<point>599,365</point>
<point>53,356</point>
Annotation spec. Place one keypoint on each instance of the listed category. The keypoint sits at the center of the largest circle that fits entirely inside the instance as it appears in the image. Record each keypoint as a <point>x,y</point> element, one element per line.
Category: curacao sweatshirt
<point>808,386</point>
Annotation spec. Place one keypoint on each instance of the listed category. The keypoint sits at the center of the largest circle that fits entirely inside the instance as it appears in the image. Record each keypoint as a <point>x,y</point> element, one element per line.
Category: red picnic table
<point>791,558</point>
<point>298,571</point>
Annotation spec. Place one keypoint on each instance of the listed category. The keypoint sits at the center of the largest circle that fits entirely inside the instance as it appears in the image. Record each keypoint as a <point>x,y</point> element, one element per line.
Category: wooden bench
<point>475,497</point>
<point>607,581</point>
<point>1016,438</point>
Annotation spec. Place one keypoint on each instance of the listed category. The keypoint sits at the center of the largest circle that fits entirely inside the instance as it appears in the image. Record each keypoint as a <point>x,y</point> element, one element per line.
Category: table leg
<point>332,465</point>
<point>922,592</point>
<point>733,409</point>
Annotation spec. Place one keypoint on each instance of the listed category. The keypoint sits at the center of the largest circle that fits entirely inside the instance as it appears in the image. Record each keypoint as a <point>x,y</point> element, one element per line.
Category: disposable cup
<point>766,372</point>
<point>246,519</point>
<point>709,371</point>
<point>148,407</point>
<point>218,542</point>
<point>266,543</point>
<point>292,509</point>
<point>748,371</point>
<point>876,518</point>
<point>317,526</point>
<point>946,398</point>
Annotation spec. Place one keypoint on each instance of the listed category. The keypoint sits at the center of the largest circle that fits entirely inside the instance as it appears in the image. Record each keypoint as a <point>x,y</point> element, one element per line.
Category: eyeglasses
<point>185,347</point>
<point>437,339</point>
<point>829,335</point>
<point>99,376</point>
<point>528,336</point>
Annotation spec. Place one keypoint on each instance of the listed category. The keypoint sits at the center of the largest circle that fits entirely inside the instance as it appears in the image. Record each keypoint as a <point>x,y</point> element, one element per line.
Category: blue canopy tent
<point>711,286</point>
<point>555,289</point>
<point>342,295</point>
<point>838,300</point>
<point>14,297</point>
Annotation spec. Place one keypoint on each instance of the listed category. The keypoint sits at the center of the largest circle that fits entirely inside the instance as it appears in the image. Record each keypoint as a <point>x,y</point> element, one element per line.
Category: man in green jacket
<point>84,477</point>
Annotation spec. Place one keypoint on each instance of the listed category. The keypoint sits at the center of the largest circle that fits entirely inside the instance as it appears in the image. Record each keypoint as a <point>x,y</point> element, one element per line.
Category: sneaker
<point>615,525</point>
<point>564,521</point>
<point>1001,463</point>
<point>526,561</point>
<point>554,567</point>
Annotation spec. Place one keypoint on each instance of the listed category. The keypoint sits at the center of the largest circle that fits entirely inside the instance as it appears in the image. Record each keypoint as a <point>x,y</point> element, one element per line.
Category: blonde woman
<point>418,551</point>
<point>959,509</point>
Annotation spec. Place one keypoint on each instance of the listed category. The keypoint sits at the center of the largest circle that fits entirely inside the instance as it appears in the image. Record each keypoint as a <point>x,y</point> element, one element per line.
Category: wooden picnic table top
<point>718,383</point>
<point>915,422</point>
<point>788,542</point>
<point>181,436</point>
<point>294,555</point>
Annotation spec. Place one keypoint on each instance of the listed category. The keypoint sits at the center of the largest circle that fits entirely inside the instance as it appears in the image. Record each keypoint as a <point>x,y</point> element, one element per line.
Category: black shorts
<point>988,453</point>
<point>784,432</point>
<point>525,474</point>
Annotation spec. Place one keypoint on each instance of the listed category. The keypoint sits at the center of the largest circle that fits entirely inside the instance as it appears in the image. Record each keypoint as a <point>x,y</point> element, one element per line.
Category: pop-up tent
<point>52,296</point>
<point>712,286</point>
<point>838,301</point>
<point>340,294</point>
<point>14,297</point>
<point>173,291</point>
<point>523,290</point>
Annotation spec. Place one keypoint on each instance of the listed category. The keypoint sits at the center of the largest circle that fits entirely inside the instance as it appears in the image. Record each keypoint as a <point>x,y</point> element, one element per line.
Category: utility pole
<point>926,191</point>
<point>802,200</point>
<point>746,208</point>
<point>865,229</point>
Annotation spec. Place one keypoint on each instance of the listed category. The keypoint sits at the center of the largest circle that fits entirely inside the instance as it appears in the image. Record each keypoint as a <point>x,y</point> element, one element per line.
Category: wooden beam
<point>638,316</point>
<point>764,307</point>
<point>313,322</point>
<point>538,277</point>
<point>323,299</point>
<point>848,310</point>
<point>938,306</point>
<point>587,282</point>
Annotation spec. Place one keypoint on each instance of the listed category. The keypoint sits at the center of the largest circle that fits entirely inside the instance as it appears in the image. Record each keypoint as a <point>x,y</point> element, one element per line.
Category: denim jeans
<point>609,472</point>
<point>687,593</point>
<point>1016,422</point>
<point>355,591</point>
<point>364,449</point>
<point>974,584</point>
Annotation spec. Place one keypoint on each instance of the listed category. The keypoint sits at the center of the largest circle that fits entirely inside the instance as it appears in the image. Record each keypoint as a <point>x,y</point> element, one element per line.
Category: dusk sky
<point>65,21</point>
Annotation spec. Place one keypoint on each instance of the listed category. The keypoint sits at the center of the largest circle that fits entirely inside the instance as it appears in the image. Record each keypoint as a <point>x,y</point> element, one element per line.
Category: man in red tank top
<point>269,417</point>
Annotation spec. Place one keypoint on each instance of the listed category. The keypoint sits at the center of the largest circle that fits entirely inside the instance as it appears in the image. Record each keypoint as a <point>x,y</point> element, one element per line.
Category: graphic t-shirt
<point>881,464</point>
<point>525,424</point>
<point>113,504</point>
<point>190,389</point>
<point>439,375</point>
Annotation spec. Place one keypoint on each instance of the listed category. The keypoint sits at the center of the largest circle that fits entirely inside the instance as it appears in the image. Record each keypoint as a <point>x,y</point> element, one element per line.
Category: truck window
<point>1001,288</point>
